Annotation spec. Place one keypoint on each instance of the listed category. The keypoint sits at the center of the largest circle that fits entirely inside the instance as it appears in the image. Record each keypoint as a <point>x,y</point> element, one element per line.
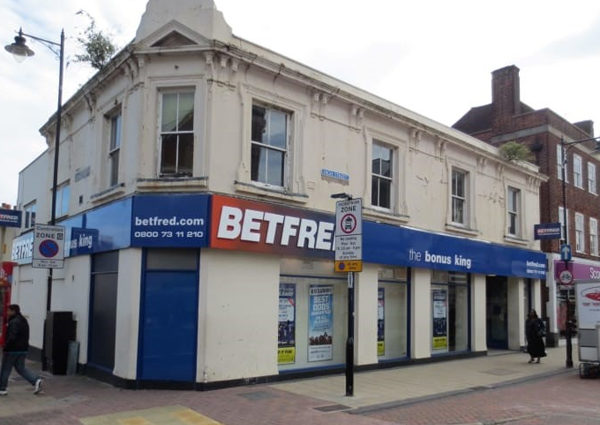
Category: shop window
<point>114,147</point>
<point>312,317</point>
<point>392,313</point>
<point>177,133</point>
<point>29,212</point>
<point>63,195</point>
<point>514,211</point>
<point>450,312</point>
<point>592,178</point>
<point>593,236</point>
<point>459,197</point>
<point>577,171</point>
<point>579,233</point>
<point>270,134</point>
<point>382,176</point>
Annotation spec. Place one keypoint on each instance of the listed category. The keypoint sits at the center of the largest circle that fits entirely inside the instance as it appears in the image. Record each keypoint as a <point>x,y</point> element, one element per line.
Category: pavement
<point>77,400</point>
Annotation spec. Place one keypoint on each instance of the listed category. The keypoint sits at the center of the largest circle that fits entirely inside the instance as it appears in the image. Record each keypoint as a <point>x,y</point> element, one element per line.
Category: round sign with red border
<point>565,277</point>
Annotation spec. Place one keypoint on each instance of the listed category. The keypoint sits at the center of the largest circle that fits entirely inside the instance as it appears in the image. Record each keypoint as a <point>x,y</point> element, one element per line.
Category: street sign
<point>547,231</point>
<point>348,235</point>
<point>565,252</point>
<point>48,247</point>
<point>565,277</point>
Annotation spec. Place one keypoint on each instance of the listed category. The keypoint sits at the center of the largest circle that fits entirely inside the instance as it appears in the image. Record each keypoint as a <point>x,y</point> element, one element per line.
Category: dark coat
<point>17,334</point>
<point>534,330</point>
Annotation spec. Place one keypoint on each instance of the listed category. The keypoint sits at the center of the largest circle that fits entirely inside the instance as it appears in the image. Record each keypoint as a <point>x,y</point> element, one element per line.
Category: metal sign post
<point>348,258</point>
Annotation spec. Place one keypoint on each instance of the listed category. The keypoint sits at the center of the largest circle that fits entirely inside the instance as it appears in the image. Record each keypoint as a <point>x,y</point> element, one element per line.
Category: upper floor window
<point>593,236</point>
<point>577,171</point>
<point>592,178</point>
<point>514,211</point>
<point>114,147</point>
<point>29,212</point>
<point>459,196</point>
<point>177,133</point>
<point>270,134</point>
<point>63,195</point>
<point>559,164</point>
<point>579,232</point>
<point>561,218</point>
<point>381,185</point>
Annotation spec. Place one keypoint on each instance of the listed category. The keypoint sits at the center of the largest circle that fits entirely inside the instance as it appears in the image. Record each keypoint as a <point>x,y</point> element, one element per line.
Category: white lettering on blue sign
<point>335,175</point>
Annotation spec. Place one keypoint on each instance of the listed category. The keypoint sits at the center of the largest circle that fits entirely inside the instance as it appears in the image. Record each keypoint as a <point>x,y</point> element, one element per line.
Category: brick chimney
<point>506,95</point>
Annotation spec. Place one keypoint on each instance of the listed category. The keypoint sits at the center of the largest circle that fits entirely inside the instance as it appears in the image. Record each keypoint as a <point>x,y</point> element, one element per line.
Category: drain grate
<point>332,408</point>
<point>257,395</point>
<point>499,372</point>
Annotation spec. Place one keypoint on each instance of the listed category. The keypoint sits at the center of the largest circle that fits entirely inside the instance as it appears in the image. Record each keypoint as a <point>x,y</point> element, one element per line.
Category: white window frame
<point>459,199</point>
<point>285,177</point>
<point>179,91</point>
<point>115,121</point>
<point>579,233</point>
<point>564,227</point>
<point>593,236</point>
<point>62,204</point>
<point>592,186</point>
<point>514,213</point>
<point>29,213</point>
<point>559,164</point>
<point>380,177</point>
<point>577,171</point>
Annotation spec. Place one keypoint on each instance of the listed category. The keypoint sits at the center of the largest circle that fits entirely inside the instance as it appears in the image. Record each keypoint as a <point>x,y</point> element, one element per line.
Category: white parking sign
<point>48,247</point>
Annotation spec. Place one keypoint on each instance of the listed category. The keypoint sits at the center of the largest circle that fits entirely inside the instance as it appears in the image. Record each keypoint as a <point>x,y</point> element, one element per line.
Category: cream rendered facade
<point>331,126</point>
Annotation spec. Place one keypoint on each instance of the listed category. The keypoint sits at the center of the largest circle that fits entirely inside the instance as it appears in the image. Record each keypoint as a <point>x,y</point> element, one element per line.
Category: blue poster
<point>10,218</point>
<point>287,324</point>
<point>320,323</point>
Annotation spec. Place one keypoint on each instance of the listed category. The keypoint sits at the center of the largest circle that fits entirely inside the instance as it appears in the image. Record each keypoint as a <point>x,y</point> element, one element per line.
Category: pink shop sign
<point>580,271</point>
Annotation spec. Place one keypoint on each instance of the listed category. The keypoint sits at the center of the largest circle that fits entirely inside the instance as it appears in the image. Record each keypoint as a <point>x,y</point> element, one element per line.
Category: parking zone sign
<point>48,247</point>
<point>348,236</point>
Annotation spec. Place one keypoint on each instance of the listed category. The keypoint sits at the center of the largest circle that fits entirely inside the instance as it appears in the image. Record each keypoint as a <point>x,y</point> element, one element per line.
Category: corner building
<point>196,174</point>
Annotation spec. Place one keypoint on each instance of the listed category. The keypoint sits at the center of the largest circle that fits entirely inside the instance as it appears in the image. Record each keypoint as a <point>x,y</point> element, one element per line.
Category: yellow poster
<point>440,343</point>
<point>380,348</point>
<point>286,355</point>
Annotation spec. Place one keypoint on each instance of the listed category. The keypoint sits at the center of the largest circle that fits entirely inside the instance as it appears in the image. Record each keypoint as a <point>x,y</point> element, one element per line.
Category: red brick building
<point>507,119</point>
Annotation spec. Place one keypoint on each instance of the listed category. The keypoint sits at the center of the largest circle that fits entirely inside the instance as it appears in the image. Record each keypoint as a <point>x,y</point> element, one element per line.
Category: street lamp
<point>20,52</point>
<point>565,146</point>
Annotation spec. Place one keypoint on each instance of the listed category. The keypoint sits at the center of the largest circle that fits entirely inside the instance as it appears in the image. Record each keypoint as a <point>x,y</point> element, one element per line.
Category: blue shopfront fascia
<point>183,221</point>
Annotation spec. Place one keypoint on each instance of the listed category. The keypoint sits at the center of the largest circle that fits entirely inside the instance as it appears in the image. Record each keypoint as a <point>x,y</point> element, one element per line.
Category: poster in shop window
<point>381,322</point>
<point>440,319</point>
<point>320,323</point>
<point>287,324</point>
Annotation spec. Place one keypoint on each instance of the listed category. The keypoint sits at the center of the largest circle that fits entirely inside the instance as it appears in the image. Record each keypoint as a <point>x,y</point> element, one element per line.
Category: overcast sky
<point>434,57</point>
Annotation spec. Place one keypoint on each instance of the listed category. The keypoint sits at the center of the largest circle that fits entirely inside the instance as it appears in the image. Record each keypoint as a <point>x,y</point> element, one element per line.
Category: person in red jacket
<point>15,351</point>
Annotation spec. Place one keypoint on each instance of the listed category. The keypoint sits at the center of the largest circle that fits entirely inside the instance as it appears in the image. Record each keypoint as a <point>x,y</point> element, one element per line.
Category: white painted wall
<point>128,313</point>
<point>421,314</point>
<point>478,313</point>
<point>238,311</point>
<point>516,314</point>
<point>365,344</point>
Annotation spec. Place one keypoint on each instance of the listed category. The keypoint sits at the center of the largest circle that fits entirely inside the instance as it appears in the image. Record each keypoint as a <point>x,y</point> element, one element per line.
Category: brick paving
<point>553,399</point>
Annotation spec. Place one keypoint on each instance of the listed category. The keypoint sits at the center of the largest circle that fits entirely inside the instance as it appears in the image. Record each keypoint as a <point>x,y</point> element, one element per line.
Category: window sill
<point>462,230</point>
<point>168,183</point>
<point>384,216</point>
<point>515,240</point>
<point>270,192</point>
<point>108,194</point>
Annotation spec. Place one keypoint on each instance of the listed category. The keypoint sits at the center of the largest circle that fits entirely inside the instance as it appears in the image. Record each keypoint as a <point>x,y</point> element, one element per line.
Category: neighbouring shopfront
<point>211,289</point>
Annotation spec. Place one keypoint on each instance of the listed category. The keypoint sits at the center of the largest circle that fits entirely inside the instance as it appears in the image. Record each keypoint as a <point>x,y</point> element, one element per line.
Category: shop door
<point>103,311</point>
<point>169,325</point>
<point>497,307</point>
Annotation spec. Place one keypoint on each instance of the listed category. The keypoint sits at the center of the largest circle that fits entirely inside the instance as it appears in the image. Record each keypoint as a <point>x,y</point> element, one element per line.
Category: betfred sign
<point>238,224</point>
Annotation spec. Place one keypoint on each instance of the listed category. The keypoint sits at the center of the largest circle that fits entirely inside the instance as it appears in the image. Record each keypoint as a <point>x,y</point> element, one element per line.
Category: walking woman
<point>535,331</point>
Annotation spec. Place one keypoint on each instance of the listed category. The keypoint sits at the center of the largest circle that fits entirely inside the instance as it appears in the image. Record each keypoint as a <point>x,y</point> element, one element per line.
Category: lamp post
<point>20,52</point>
<point>350,328</point>
<point>569,319</point>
